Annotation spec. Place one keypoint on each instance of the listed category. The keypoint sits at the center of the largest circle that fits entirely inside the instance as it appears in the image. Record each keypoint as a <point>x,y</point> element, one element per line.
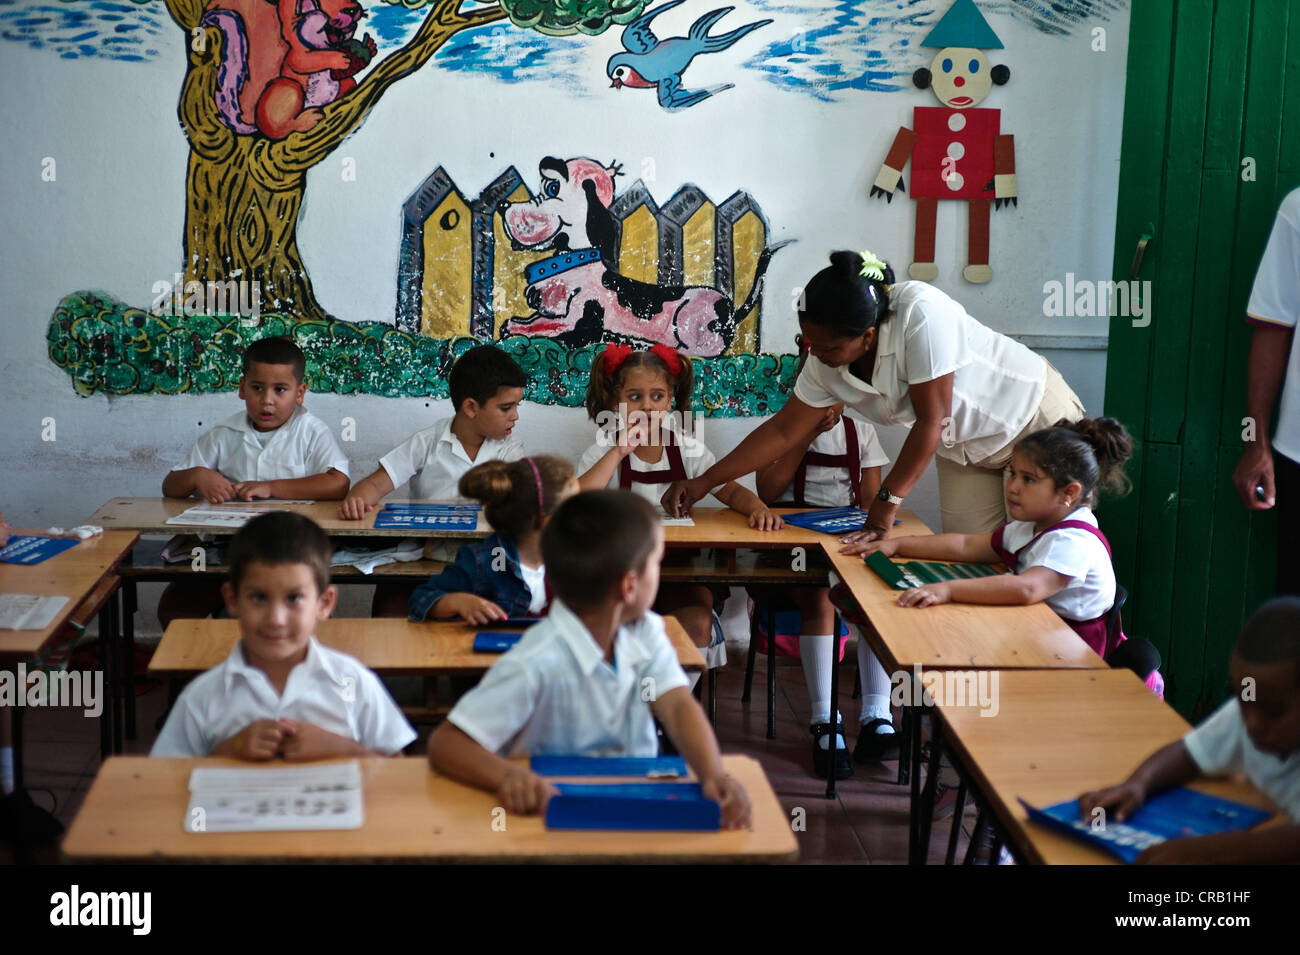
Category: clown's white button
<point>956,121</point>
<point>955,181</point>
<point>956,150</point>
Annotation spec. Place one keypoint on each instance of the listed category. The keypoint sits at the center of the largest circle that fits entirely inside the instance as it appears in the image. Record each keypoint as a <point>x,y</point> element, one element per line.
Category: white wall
<point>112,220</point>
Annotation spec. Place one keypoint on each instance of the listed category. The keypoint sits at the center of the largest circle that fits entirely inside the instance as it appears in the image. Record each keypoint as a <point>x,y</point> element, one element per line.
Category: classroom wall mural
<point>550,265</point>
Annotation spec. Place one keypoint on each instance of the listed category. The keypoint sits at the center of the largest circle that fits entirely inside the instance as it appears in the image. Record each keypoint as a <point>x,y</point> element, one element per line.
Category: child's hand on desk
<point>1121,801</point>
<point>213,486</point>
<point>257,741</point>
<point>472,609</point>
<point>735,801</point>
<point>523,792</point>
<point>252,490</point>
<point>304,741</point>
<point>765,520</point>
<point>927,595</point>
<point>854,544</point>
<point>354,507</point>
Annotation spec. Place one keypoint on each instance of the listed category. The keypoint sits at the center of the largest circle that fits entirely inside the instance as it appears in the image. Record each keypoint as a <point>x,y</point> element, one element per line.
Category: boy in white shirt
<point>486,386</point>
<point>280,693</point>
<point>1256,732</point>
<point>272,448</point>
<point>576,684</point>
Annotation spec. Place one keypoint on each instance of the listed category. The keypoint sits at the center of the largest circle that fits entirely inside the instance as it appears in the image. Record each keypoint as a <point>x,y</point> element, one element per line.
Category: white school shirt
<point>301,447</point>
<point>1077,554</point>
<point>1221,746</point>
<point>553,693</point>
<point>696,459</point>
<point>829,486</point>
<point>433,460</point>
<point>997,386</point>
<point>1275,300</point>
<point>328,689</point>
<point>535,579</point>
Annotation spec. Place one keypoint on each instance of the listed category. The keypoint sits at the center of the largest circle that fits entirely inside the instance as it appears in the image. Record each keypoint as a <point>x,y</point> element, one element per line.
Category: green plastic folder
<point>917,572</point>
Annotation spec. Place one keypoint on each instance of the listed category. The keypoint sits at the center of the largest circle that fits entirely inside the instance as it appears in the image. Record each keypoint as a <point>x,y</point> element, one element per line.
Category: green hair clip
<point>872,267</point>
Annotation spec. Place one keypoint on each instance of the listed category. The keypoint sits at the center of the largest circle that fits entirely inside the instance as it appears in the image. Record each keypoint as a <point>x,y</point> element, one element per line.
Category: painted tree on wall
<point>245,183</point>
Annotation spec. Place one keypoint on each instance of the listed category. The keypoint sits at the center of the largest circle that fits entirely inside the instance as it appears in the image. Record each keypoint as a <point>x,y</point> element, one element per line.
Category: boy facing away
<point>591,678</point>
<point>1257,732</point>
<point>280,693</point>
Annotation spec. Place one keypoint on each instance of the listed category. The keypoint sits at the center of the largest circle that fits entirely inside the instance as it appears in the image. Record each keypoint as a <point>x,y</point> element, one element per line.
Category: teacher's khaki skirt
<point>971,496</point>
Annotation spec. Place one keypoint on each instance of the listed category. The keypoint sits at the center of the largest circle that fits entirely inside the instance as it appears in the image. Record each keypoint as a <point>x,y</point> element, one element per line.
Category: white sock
<point>817,651</point>
<point>6,770</point>
<point>875,685</point>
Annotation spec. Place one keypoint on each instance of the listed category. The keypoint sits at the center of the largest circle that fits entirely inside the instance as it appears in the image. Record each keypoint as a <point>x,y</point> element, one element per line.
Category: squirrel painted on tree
<point>282,61</point>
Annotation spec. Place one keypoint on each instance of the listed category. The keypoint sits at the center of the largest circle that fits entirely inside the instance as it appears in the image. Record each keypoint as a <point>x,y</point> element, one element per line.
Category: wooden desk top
<point>384,644</point>
<point>960,635</point>
<point>1058,734</point>
<point>74,573</point>
<point>135,808</point>
<point>724,528</point>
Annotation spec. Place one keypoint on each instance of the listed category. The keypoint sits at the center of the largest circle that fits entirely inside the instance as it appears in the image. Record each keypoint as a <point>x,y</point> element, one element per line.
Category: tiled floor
<point>866,823</point>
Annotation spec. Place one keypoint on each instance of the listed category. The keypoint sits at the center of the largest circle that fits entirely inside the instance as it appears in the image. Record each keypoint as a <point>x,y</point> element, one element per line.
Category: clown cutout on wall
<point>956,150</point>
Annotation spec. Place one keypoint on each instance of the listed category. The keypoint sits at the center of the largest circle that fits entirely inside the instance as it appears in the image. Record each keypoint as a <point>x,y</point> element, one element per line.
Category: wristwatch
<point>884,495</point>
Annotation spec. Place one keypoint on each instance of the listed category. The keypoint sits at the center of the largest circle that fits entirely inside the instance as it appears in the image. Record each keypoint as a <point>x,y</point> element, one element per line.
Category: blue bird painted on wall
<point>651,62</point>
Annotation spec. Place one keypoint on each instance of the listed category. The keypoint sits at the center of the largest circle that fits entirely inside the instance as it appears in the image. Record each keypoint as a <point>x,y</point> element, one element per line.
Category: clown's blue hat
<point>963,25</point>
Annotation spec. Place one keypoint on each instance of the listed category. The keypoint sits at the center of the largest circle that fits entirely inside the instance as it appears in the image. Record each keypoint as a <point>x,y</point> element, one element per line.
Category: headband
<point>537,479</point>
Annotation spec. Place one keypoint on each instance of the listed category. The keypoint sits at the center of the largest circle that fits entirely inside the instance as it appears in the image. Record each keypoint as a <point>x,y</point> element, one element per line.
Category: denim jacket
<point>472,573</point>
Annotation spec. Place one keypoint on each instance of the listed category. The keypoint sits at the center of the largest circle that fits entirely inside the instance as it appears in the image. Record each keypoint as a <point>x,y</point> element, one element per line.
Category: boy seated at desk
<point>280,693</point>
<point>589,680</point>
<point>272,448</point>
<point>1257,732</point>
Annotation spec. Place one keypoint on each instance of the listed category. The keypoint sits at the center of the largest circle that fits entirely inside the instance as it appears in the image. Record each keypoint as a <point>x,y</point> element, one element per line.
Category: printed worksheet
<point>275,800</point>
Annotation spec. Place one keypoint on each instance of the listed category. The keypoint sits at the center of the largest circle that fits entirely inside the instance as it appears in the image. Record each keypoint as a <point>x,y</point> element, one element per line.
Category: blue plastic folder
<point>830,520</point>
<point>633,806</point>
<point>1171,815</point>
<point>416,516</point>
<point>493,642</point>
<point>30,549</point>
<point>646,766</point>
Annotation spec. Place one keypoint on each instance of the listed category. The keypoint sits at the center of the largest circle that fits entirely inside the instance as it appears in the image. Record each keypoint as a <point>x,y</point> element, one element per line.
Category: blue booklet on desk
<point>493,642</point>
<point>648,766</point>
<point>1170,815</point>
<point>633,806</point>
<point>415,516</point>
<point>830,520</point>
<point>30,549</point>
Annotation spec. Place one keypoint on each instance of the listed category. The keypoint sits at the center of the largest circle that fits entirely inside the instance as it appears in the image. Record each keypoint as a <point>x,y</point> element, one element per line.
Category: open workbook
<point>274,799</point>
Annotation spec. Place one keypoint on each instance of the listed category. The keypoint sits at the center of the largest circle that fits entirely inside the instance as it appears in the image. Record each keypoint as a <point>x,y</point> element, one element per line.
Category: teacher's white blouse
<point>997,385</point>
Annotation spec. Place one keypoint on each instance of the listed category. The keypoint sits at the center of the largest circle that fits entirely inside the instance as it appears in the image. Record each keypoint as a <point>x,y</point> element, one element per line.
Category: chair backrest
<point>1113,616</point>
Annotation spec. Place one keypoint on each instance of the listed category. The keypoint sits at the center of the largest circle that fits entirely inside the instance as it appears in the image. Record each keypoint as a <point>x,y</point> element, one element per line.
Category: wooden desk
<point>86,575</point>
<point>726,529</point>
<point>75,573</point>
<point>960,635</point>
<point>386,645</point>
<point>134,811</point>
<point>1058,734</point>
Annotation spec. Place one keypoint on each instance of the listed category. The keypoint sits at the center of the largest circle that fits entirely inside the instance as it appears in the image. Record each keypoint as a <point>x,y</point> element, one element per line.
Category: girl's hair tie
<point>672,361</point>
<point>872,267</point>
<point>612,358</point>
<point>537,479</point>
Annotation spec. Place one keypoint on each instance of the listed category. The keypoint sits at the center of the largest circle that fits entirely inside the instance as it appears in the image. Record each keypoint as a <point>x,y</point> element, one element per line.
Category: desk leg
<point>958,810</point>
<point>913,757</point>
<point>972,850</point>
<point>713,698</point>
<point>128,650</point>
<point>835,711</point>
<point>106,667</point>
<point>110,648</point>
<point>16,714</point>
<point>924,812</point>
<point>771,670</point>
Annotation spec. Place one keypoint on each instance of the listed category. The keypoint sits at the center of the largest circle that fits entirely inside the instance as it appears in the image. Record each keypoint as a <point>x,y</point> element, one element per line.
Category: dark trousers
<point>1286,473</point>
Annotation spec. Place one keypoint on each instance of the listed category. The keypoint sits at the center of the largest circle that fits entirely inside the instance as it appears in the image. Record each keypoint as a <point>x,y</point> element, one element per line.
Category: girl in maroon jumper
<point>1052,546</point>
<point>640,401</point>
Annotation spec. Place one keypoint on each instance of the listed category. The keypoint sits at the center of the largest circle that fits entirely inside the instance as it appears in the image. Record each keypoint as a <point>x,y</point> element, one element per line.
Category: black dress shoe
<point>873,747</point>
<point>822,756</point>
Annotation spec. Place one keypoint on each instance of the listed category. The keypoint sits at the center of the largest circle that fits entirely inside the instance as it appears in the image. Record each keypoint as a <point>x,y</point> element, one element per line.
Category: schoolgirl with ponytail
<point>503,575</point>
<point>1051,545</point>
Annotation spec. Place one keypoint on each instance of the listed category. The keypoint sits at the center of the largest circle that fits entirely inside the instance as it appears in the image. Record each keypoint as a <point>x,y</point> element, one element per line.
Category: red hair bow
<point>613,356</point>
<point>669,357</point>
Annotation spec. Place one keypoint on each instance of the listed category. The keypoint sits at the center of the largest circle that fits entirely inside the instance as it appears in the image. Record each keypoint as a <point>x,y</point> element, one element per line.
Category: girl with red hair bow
<point>638,400</point>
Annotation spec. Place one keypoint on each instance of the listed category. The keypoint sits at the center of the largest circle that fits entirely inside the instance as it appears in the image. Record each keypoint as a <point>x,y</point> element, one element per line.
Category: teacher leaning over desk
<point>906,354</point>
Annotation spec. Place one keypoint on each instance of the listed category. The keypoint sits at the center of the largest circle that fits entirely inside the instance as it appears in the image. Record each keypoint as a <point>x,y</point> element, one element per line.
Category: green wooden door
<point>1211,129</point>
